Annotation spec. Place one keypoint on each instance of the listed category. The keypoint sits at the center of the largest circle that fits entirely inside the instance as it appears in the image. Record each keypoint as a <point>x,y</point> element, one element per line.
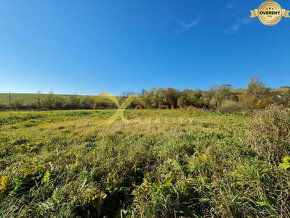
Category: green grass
<point>66,164</point>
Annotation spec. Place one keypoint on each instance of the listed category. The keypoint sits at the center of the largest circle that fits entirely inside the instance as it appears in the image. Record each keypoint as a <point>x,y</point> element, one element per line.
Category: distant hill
<point>27,98</point>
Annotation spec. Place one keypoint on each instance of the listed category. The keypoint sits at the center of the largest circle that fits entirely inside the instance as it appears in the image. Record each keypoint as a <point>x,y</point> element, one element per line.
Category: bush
<point>17,104</point>
<point>285,98</point>
<point>252,102</point>
<point>270,133</point>
<point>234,98</point>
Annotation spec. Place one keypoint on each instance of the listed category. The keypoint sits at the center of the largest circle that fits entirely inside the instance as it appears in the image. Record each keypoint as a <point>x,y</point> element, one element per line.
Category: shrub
<point>284,98</point>
<point>234,98</point>
<point>251,102</point>
<point>17,103</point>
<point>270,135</point>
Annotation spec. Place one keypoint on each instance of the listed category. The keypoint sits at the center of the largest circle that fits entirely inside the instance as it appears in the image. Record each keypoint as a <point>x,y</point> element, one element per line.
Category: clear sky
<point>93,46</point>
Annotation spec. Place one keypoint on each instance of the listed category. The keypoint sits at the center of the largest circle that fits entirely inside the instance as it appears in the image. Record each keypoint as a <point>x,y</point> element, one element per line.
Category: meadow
<point>66,164</point>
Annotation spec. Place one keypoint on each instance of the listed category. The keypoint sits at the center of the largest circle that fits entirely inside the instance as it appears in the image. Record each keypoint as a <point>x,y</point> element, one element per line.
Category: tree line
<point>218,97</point>
<point>52,102</point>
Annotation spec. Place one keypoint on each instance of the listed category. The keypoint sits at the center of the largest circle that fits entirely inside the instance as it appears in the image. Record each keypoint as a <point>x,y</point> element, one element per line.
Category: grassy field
<point>66,164</point>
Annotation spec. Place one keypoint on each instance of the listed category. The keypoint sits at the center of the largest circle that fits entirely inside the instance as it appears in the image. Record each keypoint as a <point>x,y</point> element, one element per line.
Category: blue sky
<point>93,46</point>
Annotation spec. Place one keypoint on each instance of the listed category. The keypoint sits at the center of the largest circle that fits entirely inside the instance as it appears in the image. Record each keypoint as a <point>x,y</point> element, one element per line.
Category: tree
<point>195,99</point>
<point>17,103</point>
<point>38,99</point>
<point>143,93</point>
<point>253,84</point>
<point>48,101</point>
<point>59,103</point>
<point>213,94</point>
<point>126,94</point>
<point>182,101</point>
<point>218,93</point>
<point>87,102</point>
<point>214,87</point>
<point>225,90</point>
<point>171,96</point>
<point>75,102</point>
<point>159,96</point>
<point>262,91</point>
<point>257,96</point>
<point>150,98</point>
<point>257,88</point>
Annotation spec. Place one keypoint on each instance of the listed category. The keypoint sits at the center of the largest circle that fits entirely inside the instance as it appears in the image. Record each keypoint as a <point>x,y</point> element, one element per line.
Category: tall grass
<point>68,165</point>
<point>270,136</point>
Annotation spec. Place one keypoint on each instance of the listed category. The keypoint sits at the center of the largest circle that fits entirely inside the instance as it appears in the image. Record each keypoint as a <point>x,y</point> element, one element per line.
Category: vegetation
<point>219,98</point>
<point>271,133</point>
<point>66,164</point>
